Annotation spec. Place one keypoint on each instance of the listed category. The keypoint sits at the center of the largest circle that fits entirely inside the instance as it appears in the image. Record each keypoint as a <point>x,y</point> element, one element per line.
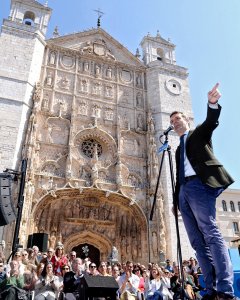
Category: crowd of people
<point>54,275</point>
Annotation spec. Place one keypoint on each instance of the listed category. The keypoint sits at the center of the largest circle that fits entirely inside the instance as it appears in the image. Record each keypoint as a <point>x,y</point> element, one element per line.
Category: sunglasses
<point>93,266</point>
<point>65,268</point>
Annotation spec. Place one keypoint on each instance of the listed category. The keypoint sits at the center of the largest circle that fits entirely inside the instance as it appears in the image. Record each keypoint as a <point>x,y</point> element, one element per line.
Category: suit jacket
<point>199,151</point>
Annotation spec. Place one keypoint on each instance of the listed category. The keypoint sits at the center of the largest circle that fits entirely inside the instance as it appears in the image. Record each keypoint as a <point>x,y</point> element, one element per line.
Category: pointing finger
<point>215,87</point>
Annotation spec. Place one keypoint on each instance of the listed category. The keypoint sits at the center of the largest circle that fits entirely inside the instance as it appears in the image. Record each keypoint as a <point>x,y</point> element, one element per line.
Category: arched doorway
<point>86,250</point>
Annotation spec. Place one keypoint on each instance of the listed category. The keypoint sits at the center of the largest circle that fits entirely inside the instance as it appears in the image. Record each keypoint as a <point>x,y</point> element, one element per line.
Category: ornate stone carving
<point>52,58</point>
<point>139,99</point>
<point>49,79</point>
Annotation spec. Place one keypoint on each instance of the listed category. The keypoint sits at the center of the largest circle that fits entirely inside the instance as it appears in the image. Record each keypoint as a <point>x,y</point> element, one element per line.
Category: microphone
<point>168,130</point>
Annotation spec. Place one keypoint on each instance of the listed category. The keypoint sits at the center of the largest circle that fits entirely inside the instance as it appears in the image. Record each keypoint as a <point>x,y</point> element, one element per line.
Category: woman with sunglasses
<point>93,269</point>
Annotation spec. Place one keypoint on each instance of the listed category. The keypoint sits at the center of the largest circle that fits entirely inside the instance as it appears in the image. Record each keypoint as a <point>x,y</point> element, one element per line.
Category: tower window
<point>232,206</point>
<point>235,227</point>
<point>224,205</point>
<point>174,85</point>
<point>29,18</point>
<point>239,206</point>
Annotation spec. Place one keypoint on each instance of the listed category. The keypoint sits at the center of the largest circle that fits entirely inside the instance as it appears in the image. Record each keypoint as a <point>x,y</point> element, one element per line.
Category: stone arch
<point>29,18</point>
<point>98,217</point>
<point>99,241</point>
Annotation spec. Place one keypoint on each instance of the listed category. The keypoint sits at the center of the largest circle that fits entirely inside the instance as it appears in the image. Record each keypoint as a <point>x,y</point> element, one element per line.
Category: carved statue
<point>86,66</point>
<point>52,59</point>
<point>114,254</point>
<point>49,80</point>
<point>140,121</point>
<point>109,72</point>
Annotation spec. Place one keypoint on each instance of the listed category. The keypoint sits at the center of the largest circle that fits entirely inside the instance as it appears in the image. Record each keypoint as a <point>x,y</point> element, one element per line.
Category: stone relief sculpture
<point>86,66</point>
<point>140,124</point>
<point>109,72</point>
<point>109,91</point>
<point>82,109</point>
<point>45,102</point>
<point>64,83</point>
<point>139,99</point>
<point>52,59</point>
<point>49,79</point>
<point>97,70</point>
<point>138,80</point>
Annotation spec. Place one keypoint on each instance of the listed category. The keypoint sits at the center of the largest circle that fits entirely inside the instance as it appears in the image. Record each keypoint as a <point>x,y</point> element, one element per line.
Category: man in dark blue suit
<point>200,179</point>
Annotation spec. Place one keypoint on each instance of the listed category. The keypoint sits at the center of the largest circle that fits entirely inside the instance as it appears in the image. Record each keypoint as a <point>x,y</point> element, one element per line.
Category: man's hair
<point>182,114</point>
<point>178,112</point>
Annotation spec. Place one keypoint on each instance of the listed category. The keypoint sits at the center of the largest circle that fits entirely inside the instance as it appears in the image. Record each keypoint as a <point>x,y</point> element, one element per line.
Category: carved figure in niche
<point>45,102</point>
<point>86,66</point>
<point>109,72</point>
<point>114,254</point>
<point>84,86</point>
<point>96,111</point>
<point>82,108</point>
<point>135,148</point>
<point>37,92</point>
<point>140,121</point>
<point>151,126</point>
<point>109,114</point>
<point>52,59</point>
<point>61,107</point>
<point>52,239</point>
<point>96,88</point>
<point>68,166</point>
<point>64,83</point>
<point>138,80</point>
<point>49,134</point>
<point>119,172</point>
<point>139,100</point>
<point>97,70</point>
<point>153,157</point>
<point>109,91</point>
<point>94,171</point>
<point>49,80</point>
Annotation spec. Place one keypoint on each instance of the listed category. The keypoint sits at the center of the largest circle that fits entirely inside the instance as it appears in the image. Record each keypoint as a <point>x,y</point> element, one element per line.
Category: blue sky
<point>207,38</point>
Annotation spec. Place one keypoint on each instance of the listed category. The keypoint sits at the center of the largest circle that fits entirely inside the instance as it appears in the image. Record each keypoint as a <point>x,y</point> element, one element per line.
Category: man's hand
<point>214,95</point>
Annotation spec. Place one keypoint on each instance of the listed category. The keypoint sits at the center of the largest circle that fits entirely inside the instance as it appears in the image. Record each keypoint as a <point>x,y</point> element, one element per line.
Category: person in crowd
<point>109,269</point>
<point>102,269</point>
<point>137,271</point>
<point>72,256</point>
<point>18,257</point>
<point>59,259</point>
<point>115,272</point>
<point>192,269</point>
<point>72,280</point>
<point>2,272</point>
<point>36,254</point>
<point>200,179</point>
<point>155,288</point>
<point>32,259</point>
<point>13,284</point>
<point>47,287</point>
<point>92,269</point>
<point>128,283</point>
<point>168,266</point>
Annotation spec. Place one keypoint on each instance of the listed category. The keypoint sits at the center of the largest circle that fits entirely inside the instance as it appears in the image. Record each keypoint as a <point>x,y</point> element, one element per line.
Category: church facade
<point>87,114</point>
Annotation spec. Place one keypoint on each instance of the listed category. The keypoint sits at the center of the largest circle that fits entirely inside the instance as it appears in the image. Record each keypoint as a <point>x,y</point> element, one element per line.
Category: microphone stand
<point>167,148</point>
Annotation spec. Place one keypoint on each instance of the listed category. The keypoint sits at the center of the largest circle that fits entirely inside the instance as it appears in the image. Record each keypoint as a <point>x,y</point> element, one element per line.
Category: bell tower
<point>168,90</point>
<point>22,40</point>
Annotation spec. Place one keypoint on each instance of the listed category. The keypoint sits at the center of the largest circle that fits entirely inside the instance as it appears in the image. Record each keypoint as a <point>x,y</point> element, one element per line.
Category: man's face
<point>180,123</point>
<point>130,268</point>
<point>77,265</point>
<point>14,265</point>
